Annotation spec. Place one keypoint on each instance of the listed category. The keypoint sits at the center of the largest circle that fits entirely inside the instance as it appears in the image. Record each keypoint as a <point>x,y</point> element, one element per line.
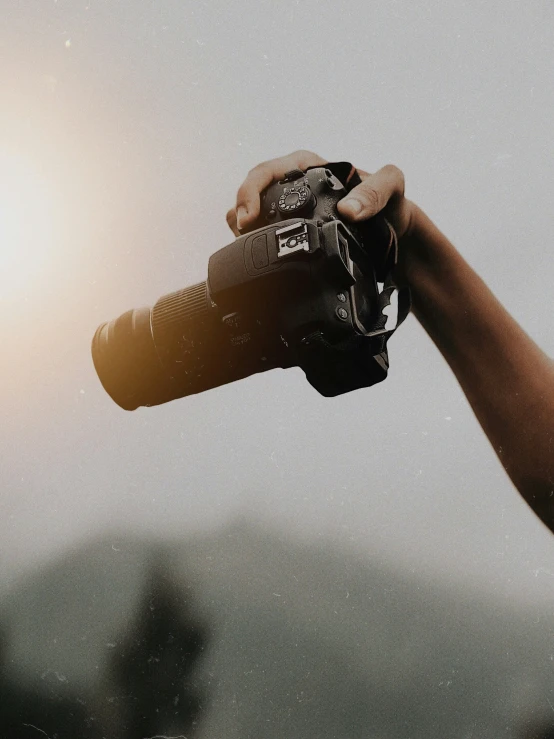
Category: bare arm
<point>507,379</point>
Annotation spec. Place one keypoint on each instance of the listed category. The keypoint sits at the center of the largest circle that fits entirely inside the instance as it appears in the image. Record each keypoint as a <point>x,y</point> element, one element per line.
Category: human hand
<point>381,191</point>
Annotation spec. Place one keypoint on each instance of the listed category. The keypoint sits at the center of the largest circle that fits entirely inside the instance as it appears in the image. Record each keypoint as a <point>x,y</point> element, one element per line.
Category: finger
<point>232,221</point>
<point>248,195</point>
<point>373,194</point>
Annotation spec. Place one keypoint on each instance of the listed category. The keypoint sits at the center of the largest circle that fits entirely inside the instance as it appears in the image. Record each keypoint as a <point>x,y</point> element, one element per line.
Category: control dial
<point>294,199</point>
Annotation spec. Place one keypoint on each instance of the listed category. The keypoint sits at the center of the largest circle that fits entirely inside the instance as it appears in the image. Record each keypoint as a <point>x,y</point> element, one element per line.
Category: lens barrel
<point>149,356</point>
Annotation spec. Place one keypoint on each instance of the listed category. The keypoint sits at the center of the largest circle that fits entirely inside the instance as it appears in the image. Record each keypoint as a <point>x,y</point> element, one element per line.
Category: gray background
<point>142,118</point>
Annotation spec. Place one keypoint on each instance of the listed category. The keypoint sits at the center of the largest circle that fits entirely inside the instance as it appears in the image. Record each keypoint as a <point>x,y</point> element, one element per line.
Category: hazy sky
<point>130,125</point>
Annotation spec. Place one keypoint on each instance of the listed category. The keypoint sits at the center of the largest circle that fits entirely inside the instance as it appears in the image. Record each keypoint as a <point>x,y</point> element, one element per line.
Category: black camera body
<point>301,289</point>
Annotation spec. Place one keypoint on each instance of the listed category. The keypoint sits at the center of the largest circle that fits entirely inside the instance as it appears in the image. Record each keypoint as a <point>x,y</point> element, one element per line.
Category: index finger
<point>248,195</point>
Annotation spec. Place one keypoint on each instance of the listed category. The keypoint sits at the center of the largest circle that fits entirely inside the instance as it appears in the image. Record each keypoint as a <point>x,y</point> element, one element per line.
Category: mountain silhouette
<point>250,633</point>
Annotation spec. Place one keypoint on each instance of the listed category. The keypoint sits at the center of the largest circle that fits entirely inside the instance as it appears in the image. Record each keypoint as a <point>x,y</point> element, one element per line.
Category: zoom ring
<point>180,306</point>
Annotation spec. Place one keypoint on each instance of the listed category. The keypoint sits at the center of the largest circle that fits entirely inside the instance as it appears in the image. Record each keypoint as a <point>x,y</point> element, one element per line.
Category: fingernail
<point>353,206</point>
<point>241,215</point>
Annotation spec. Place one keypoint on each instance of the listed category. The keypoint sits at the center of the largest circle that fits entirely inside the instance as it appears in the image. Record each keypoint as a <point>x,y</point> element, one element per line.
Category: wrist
<point>411,245</point>
<point>423,250</point>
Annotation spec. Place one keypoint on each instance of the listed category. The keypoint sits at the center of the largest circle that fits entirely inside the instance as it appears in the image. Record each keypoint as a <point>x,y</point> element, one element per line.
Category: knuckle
<point>242,194</point>
<point>398,176</point>
<point>305,157</point>
<point>372,197</point>
<point>258,168</point>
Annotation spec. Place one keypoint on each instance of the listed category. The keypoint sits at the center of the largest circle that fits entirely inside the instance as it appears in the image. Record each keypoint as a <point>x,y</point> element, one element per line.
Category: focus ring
<point>180,306</point>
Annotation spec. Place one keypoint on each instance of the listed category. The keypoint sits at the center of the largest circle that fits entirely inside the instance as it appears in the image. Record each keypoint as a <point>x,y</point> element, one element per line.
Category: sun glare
<point>27,225</point>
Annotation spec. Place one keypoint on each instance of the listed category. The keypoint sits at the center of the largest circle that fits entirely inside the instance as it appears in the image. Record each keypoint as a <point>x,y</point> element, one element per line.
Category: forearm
<point>507,379</point>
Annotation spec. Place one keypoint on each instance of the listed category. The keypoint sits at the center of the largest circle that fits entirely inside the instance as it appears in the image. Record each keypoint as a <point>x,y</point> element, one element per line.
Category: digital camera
<point>302,288</point>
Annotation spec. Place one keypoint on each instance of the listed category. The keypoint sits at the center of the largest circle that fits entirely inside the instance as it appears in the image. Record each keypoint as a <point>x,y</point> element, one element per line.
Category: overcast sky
<point>137,121</point>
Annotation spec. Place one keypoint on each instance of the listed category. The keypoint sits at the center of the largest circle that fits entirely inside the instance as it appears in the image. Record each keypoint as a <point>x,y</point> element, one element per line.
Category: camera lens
<point>149,356</point>
<point>125,359</point>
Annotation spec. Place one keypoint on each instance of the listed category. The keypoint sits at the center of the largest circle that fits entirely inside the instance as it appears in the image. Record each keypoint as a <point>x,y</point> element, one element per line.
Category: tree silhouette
<point>152,672</point>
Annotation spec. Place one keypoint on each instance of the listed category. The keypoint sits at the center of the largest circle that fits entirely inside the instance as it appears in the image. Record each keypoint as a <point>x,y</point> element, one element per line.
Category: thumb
<point>372,195</point>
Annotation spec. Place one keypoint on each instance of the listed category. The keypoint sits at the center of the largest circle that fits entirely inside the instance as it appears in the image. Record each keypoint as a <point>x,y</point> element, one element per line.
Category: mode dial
<point>294,199</point>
